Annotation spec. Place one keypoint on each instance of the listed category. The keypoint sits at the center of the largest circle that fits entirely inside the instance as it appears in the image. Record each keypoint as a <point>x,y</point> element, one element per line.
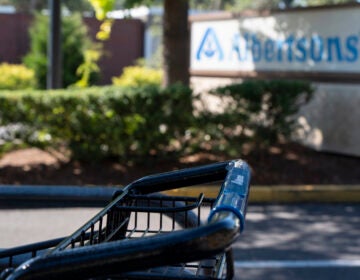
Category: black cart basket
<point>145,234</point>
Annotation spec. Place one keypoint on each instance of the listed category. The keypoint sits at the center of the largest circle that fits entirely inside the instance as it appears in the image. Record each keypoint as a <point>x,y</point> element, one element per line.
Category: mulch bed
<point>290,164</point>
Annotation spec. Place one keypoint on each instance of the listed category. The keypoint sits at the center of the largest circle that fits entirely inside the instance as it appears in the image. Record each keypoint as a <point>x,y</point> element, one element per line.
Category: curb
<point>306,194</point>
<point>288,194</point>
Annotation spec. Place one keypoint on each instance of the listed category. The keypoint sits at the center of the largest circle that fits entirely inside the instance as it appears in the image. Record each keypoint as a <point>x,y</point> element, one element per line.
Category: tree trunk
<point>176,42</point>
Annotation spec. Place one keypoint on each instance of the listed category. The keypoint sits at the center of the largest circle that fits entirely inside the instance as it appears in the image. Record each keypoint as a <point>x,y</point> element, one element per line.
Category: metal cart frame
<point>129,238</point>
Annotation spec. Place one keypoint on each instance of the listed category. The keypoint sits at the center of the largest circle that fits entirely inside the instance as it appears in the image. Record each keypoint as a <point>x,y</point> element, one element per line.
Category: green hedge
<point>102,122</point>
<point>139,122</point>
<point>259,112</point>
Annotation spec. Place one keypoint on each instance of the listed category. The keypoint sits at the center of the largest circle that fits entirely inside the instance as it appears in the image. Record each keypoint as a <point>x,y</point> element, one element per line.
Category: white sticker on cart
<point>239,180</point>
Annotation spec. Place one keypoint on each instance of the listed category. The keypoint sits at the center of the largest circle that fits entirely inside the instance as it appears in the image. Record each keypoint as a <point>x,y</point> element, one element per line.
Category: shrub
<point>75,41</point>
<point>138,122</point>
<point>15,76</point>
<point>102,122</point>
<point>257,111</point>
<point>135,76</point>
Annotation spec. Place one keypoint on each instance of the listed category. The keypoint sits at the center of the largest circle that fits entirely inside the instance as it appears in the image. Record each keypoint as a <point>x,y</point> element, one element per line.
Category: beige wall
<point>330,122</point>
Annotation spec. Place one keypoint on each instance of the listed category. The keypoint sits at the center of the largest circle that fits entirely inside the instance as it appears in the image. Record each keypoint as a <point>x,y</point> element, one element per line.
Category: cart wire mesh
<point>139,216</point>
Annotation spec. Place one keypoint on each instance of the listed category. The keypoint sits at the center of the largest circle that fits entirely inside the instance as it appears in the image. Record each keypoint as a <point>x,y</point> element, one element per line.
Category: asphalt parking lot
<point>303,241</point>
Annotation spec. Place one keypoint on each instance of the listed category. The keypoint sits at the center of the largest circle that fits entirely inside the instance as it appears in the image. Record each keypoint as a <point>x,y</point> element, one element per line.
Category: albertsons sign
<point>316,40</point>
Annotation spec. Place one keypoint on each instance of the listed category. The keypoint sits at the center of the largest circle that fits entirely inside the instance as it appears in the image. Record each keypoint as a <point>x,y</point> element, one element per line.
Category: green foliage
<point>89,68</point>
<point>75,41</point>
<point>102,7</point>
<point>104,122</point>
<point>146,121</point>
<point>257,112</point>
<point>14,76</point>
<point>135,76</point>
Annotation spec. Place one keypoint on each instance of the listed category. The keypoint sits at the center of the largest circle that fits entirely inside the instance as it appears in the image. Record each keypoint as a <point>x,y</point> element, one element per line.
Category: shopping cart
<point>144,234</point>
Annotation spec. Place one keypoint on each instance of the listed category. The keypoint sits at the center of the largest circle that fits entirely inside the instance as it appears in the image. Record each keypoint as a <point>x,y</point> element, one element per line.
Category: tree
<point>213,5</point>
<point>176,39</point>
<point>75,40</point>
<point>176,42</point>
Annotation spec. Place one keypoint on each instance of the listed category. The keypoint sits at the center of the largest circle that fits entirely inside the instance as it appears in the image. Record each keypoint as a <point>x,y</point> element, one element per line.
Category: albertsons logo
<point>210,47</point>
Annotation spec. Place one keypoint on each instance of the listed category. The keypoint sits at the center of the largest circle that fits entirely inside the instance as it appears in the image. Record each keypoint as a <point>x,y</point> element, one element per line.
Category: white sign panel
<point>319,41</point>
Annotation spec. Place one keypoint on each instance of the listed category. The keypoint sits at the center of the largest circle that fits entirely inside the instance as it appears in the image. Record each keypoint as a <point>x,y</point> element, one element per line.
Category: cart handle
<point>226,220</point>
<point>234,194</point>
<point>179,178</point>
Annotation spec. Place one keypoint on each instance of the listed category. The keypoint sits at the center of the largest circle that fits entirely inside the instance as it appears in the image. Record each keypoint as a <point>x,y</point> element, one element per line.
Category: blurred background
<point>102,92</point>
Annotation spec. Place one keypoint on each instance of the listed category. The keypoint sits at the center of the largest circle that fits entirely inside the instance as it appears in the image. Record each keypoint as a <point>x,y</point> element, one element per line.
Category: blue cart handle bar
<point>179,178</point>
<point>235,192</point>
<point>233,196</point>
